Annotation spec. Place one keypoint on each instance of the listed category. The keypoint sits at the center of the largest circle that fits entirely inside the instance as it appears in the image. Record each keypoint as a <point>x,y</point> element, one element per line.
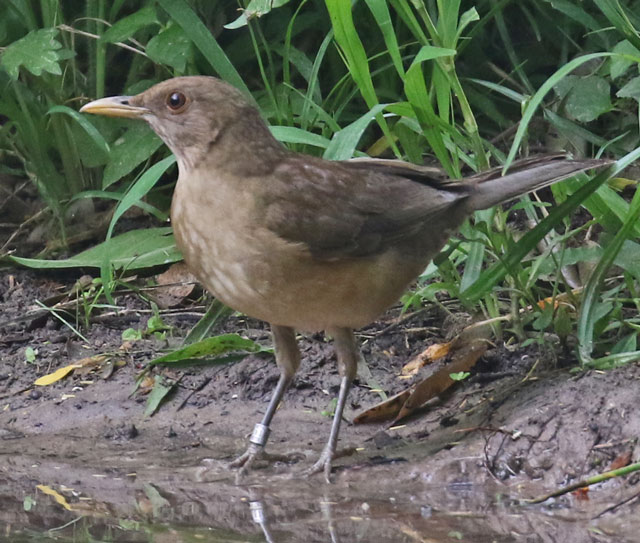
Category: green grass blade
<point>591,295</point>
<point>380,11</point>
<point>343,144</point>
<point>213,346</point>
<point>139,189</point>
<point>86,125</point>
<point>616,15</point>
<point>291,134</point>
<point>356,57</point>
<point>537,98</point>
<point>497,272</point>
<point>199,34</point>
<point>133,250</point>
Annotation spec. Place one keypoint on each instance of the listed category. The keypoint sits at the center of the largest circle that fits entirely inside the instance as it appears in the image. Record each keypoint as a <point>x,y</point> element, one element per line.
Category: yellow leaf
<point>621,183</point>
<point>56,375</point>
<point>56,496</point>
<point>430,354</point>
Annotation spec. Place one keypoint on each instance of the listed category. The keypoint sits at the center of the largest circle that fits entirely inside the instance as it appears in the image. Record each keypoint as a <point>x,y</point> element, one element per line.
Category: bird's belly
<point>278,282</point>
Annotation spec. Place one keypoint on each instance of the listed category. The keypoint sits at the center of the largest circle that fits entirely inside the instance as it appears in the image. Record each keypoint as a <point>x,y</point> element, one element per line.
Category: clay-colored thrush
<point>298,241</point>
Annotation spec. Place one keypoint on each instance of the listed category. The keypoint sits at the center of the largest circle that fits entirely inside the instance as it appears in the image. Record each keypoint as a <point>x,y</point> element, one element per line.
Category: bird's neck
<point>243,147</point>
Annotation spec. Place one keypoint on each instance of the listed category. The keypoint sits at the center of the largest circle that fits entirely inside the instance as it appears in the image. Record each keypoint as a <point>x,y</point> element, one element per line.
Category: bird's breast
<point>213,233</point>
<point>254,271</point>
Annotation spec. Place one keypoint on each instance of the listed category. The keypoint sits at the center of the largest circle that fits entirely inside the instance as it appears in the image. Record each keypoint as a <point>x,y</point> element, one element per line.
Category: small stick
<point>587,482</point>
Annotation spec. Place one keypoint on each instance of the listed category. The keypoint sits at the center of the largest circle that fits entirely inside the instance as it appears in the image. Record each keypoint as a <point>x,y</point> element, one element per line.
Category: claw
<point>323,465</point>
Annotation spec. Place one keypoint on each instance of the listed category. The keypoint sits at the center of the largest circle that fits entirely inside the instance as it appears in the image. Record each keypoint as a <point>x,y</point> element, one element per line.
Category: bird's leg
<point>288,360</point>
<point>347,354</point>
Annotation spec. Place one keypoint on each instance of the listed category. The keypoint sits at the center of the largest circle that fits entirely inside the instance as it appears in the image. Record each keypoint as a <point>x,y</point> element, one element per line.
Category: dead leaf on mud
<point>383,411</point>
<point>55,495</point>
<point>465,351</point>
<point>87,363</point>
<point>622,460</point>
<point>430,354</point>
<point>158,394</point>
<point>174,286</point>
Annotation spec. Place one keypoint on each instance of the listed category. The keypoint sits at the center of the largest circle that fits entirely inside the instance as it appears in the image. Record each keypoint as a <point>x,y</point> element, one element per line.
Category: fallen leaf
<point>87,363</point>
<point>60,373</point>
<point>56,496</point>
<point>463,360</point>
<point>174,286</point>
<point>430,354</point>
<point>465,351</point>
<point>620,461</point>
<point>581,494</point>
<point>383,411</point>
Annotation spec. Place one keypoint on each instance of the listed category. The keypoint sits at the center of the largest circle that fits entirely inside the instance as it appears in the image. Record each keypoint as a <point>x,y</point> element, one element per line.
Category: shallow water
<point>144,502</point>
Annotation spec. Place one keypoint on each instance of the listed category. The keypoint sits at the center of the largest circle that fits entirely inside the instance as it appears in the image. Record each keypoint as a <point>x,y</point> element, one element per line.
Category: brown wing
<point>356,208</point>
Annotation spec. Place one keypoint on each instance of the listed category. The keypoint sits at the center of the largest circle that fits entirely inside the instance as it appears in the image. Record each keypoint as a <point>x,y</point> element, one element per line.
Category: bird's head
<point>191,115</point>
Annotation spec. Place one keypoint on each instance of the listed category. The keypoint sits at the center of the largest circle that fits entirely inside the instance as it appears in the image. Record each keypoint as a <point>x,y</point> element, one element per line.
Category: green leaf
<point>629,257</point>
<point>619,64</point>
<point>380,11</point>
<point>131,334</point>
<point>578,13</point>
<point>171,47</point>
<point>128,26</point>
<point>202,38</point>
<point>459,376</point>
<point>30,355</point>
<point>99,145</point>
<point>292,134</point>
<point>616,15</point>
<point>215,316</point>
<point>416,91</point>
<point>591,296</point>
<point>157,395</point>
<point>256,8</point>
<point>132,250</point>
<point>141,187</point>
<point>38,52</point>
<point>213,346</point>
<point>355,55</point>
<point>536,100</point>
<point>589,98</point>
<point>630,90</point>
<point>134,147</point>
<point>343,143</point>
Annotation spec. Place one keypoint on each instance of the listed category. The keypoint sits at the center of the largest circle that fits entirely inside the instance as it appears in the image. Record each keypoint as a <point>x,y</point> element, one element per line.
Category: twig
<point>587,482</point>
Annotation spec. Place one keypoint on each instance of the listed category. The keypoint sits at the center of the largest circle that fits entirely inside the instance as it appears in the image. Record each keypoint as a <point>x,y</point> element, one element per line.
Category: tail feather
<point>491,189</point>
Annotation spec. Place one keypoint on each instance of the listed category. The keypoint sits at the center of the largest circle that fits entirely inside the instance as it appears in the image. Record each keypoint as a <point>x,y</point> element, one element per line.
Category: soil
<point>523,424</point>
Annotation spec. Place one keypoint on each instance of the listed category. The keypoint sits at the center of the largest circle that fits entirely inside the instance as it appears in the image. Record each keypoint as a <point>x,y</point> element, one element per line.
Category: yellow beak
<point>114,106</point>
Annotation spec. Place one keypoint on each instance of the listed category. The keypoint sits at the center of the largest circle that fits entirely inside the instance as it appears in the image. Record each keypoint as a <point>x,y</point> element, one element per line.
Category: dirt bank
<point>507,430</point>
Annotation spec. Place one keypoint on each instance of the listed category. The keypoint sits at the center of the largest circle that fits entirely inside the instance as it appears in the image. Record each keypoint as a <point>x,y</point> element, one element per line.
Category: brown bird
<point>298,241</point>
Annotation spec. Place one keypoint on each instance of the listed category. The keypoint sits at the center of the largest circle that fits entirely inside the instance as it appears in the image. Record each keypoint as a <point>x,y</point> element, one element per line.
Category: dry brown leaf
<point>430,354</point>
<point>383,411</point>
<point>465,351</point>
<point>561,299</point>
<point>621,461</point>
<point>174,286</point>
<point>463,359</point>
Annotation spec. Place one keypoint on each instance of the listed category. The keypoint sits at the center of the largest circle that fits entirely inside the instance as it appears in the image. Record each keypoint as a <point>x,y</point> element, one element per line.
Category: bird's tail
<point>525,176</point>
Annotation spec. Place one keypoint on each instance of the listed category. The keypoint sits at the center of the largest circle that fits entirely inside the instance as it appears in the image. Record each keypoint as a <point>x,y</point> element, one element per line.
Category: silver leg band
<point>259,435</point>
<point>257,512</point>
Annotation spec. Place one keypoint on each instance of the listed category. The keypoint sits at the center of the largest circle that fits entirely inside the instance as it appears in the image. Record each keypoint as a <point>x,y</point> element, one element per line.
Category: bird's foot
<point>323,465</point>
<point>255,456</point>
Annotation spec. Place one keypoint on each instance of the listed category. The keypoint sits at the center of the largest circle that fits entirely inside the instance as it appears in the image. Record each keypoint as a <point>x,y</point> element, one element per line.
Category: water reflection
<point>50,499</point>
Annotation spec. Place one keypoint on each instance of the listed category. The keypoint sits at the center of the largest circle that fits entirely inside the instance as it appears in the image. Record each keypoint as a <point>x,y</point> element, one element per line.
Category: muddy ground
<point>521,425</point>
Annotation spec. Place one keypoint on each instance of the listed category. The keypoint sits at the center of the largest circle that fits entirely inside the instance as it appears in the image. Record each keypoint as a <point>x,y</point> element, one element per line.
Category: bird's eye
<point>176,101</point>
